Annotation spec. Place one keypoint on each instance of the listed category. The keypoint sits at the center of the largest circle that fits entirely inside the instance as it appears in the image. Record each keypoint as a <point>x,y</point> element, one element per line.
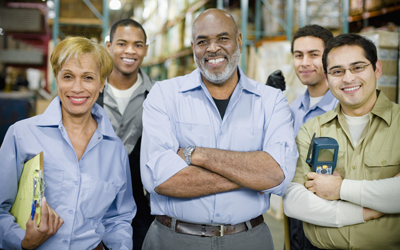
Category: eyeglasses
<point>353,69</point>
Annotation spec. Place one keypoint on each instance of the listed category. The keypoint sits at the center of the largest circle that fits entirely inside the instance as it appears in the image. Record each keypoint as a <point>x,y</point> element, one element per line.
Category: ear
<point>146,48</point>
<point>240,40</point>
<point>108,46</point>
<point>378,69</point>
<point>326,79</point>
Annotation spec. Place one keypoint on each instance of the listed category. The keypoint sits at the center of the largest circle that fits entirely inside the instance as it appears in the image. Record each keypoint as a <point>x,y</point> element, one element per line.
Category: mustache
<point>214,55</point>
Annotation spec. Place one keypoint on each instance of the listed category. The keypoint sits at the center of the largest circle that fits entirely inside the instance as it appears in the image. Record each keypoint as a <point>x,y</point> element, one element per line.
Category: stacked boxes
<point>387,44</point>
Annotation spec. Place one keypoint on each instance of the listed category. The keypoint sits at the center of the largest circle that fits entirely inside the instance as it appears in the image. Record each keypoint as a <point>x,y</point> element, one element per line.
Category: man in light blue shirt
<point>308,45</point>
<point>215,146</point>
<point>93,195</point>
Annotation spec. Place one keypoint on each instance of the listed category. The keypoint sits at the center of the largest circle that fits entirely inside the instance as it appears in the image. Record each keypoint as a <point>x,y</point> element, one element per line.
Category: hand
<point>325,186</point>
<point>370,214</point>
<point>276,80</point>
<point>49,225</point>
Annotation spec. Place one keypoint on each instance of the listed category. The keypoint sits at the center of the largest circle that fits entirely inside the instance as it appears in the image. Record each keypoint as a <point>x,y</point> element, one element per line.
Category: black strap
<point>100,99</point>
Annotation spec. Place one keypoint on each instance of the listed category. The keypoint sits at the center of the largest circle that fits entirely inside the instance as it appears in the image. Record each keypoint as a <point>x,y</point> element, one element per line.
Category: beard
<point>219,77</point>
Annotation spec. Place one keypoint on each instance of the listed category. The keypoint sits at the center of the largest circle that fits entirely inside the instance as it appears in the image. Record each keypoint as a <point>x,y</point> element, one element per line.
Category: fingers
<point>311,175</point>
<point>45,212</point>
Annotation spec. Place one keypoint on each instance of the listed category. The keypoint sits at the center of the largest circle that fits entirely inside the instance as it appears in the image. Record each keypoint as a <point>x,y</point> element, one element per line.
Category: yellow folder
<point>31,187</point>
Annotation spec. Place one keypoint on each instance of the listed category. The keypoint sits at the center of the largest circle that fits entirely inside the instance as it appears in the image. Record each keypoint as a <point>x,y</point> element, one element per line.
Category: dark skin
<point>49,225</point>
<point>209,173</point>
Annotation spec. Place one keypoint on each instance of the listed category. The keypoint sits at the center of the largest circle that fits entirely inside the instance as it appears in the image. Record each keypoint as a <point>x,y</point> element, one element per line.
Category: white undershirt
<point>356,126</point>
<point>122,96</point>
<point>315,100</point>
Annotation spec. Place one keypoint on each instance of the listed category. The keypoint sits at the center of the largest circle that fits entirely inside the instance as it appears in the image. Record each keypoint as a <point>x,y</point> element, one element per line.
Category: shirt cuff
<point>349,213</point>
<point>351,191</point>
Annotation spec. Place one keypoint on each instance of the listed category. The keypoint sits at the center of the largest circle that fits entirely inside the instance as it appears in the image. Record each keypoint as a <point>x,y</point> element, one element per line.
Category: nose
<point>213,47</point>
<point>348,76</point>
<point>130,49</point>
<point>306,61</point>
<point>77,86</point>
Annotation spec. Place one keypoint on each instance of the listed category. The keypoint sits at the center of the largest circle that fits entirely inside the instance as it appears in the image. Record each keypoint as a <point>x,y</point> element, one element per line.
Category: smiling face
<point>307,55</point>
<point>216,46</point>
<point>79,86</point>
<point>355,92</point>
<point>127,49</point>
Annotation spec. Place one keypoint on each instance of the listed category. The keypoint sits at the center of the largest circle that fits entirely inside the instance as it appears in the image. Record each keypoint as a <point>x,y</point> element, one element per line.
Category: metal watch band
<point>188,154</point>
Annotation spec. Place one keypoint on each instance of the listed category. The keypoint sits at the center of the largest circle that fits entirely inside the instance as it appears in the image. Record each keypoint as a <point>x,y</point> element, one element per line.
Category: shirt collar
<point>52,116</point>
<point>325,104</point>
<point>382,108</point>
<point>197,82</point>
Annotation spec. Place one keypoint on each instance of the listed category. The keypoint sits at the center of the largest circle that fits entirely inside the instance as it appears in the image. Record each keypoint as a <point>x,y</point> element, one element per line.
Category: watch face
<point>188,153</point>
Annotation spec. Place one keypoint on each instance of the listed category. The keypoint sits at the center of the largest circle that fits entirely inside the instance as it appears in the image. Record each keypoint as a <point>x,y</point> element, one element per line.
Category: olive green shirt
<point>376,156</point>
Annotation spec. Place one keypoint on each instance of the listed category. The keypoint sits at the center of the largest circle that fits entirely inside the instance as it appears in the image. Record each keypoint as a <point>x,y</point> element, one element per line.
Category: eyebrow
<point>219,35</point>
<point>125,41</point>
<point>310,51</point>
<point>351,64</point>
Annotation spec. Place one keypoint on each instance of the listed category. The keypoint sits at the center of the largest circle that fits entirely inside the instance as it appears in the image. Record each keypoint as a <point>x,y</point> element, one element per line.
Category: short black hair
<point>314,31</point>
<point>124,23</point>
<point>351,40</point>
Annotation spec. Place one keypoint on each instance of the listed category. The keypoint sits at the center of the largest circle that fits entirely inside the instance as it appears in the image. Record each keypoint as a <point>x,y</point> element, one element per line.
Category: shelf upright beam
<point>220,4</point>
<point>289,19</point>
<point>303,13</point>
<point>244,6</point>
<point>55,38</point>
<point>258,20</point>
<point>106,17</point>
<point>345,15</point>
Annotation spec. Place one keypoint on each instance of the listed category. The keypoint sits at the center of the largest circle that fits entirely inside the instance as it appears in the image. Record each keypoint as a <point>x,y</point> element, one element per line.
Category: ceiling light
<point>115,5</point>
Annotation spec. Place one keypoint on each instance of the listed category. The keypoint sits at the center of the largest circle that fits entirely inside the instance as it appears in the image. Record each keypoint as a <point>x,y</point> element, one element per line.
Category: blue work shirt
<point>181,112</point>
<point>301,111</point>
<point>93,195</point>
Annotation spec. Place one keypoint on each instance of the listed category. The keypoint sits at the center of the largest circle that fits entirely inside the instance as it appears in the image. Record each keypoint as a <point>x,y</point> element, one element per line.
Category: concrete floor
<point>277,231</point>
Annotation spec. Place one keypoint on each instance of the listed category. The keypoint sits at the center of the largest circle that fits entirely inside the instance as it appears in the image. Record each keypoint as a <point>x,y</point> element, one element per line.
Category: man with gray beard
<point>215,146</point>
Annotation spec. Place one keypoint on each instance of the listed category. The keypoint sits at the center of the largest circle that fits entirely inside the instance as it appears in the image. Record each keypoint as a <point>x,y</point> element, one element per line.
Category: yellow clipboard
<point>31,188</point>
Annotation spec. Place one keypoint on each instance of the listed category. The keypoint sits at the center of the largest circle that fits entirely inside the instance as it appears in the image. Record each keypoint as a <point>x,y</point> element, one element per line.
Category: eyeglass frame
<point>349,69</point>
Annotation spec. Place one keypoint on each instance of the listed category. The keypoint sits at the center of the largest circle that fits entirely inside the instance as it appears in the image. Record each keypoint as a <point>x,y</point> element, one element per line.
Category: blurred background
<point>29,29</point>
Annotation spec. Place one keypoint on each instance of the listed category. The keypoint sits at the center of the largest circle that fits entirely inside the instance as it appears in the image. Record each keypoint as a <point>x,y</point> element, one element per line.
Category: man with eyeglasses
<point>358,206</point>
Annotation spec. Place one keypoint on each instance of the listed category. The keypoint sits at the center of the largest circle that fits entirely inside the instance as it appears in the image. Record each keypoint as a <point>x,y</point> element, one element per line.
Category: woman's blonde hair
<point>76,47</point>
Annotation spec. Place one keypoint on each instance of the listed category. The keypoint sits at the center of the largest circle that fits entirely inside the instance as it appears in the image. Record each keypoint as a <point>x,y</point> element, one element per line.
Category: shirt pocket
<point>54,178</point>
<point>193,134</point>
<point>247,139</point>
<point>382,164</point>
<point>97,197</point>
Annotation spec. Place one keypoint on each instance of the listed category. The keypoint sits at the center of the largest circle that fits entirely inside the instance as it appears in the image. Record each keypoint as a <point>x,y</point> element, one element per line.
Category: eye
<point>298,56</point>
<point>314,55</point>
<point>201,42</point>
<point>67,77</point>
<point>223,38</point>
<point>139,45</point>
<point>358,68</point>
<point>121,44</point>
<point>337,72</point>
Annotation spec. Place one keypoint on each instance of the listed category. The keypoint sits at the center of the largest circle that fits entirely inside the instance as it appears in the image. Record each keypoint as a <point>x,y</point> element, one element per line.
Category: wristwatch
<point>188,154</point>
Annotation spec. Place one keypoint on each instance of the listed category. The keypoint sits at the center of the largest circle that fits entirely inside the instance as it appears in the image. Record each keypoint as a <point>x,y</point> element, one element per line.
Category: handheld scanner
<point>322,154</point>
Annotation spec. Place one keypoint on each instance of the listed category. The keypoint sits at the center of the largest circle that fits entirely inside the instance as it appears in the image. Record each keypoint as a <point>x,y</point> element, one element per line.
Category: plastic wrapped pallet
<point>272,56</point>
<point>387,44</point>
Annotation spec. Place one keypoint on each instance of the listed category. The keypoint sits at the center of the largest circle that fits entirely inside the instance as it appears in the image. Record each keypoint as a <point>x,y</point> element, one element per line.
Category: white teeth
<point>78,99</point>
<point>351,89</point>
<point>215,61</point>
<point>128,60</point>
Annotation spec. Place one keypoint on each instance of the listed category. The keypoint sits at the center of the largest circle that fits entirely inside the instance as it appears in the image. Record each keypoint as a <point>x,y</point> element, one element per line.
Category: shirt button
<point>76,182</point>
<point>65,241</point>
<point>99,138</point>
<point>70,211</point>
<point>217,215</point>
<point>353,167</point>
<point>384,162</point>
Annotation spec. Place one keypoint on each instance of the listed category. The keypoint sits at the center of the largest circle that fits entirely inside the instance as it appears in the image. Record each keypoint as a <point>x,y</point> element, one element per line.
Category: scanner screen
<point>325,155</point>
